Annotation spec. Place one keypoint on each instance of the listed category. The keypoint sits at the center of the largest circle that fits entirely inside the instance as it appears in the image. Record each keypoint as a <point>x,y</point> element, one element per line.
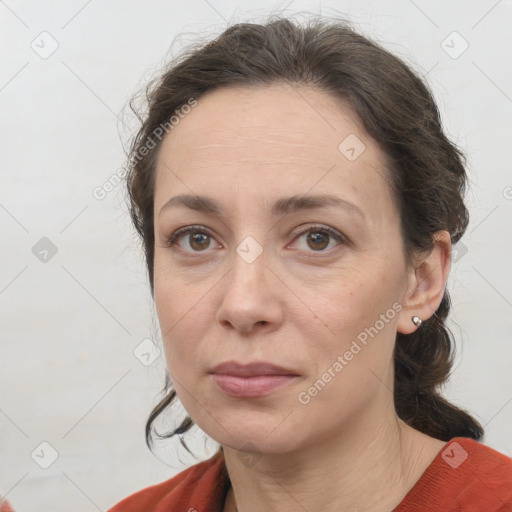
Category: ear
<point>426,283</point>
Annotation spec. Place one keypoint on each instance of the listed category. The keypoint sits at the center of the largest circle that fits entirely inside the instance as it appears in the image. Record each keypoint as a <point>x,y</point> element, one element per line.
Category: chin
<point>253,435</point>
<point>259,445</point>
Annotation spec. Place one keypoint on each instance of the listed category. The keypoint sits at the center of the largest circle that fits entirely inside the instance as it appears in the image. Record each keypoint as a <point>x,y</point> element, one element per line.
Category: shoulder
<point>466,475</point>
<point>199,487</point>
<point>489,469</point>
<point>480,451</point>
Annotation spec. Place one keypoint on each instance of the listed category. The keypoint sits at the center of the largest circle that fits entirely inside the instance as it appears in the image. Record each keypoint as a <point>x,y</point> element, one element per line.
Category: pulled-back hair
<point>397,110</point>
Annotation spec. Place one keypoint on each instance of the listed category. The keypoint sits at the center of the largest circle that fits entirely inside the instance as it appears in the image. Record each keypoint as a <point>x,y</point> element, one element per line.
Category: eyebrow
<point>282,206</point>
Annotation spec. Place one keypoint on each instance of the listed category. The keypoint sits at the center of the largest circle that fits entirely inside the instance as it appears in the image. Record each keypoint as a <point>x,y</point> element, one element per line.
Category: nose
<point>251,300</point>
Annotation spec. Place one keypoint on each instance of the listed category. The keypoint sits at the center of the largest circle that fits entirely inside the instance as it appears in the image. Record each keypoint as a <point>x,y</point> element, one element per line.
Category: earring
<point>416,320</point>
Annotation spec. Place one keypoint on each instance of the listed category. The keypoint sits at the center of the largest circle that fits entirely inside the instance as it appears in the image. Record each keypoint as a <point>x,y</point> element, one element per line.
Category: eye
<point>195,239</point>
<point>198,239</point>
<point>319,238</point>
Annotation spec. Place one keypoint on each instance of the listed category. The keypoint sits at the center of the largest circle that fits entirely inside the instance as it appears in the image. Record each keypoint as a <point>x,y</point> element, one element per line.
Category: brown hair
<point>397,109</point>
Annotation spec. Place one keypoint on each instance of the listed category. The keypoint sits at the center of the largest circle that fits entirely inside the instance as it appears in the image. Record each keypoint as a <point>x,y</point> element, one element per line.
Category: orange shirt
<point>465,476</point>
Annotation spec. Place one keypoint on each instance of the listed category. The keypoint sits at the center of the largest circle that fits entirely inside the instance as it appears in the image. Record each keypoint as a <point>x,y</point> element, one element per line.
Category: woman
<point>298,200</point>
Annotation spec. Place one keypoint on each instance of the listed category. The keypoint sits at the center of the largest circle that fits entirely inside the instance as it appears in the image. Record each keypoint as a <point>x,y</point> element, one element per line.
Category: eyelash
<point>201,230</point>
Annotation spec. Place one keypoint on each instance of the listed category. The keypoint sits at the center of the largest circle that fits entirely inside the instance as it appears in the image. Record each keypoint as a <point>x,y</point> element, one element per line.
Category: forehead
<point>269,118</point>
<point>274,137</point>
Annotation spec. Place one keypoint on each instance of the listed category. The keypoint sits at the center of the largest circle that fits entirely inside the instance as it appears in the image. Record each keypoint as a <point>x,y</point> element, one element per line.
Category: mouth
<point>251,380</point>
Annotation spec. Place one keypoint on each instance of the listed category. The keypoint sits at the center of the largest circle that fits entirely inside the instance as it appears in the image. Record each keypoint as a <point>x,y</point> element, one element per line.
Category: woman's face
<point>316,290</point>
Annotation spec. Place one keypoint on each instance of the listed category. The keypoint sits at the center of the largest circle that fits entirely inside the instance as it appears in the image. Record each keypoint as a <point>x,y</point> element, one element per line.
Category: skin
<point>298,305</point>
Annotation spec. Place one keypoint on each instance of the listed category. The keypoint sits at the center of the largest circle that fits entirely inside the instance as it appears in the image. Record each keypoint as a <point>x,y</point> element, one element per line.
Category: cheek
<point>352,366</point>
<point>354,319</point>
<point>184,319</point>
<point>174,296</point>
<point>353,300</point>
<point>172,308</point>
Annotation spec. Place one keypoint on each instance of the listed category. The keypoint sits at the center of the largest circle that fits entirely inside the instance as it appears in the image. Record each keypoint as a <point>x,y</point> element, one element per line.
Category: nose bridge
<point>247,298</point>
<point>249,262</point>
<point>250,250</point>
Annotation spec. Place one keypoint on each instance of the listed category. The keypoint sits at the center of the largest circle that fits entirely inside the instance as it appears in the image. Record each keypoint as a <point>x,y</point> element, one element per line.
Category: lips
<point>251,380</point>
<point>251,369</point>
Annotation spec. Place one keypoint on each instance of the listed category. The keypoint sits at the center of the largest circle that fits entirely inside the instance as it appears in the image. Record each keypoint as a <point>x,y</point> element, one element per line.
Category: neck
<point>368,467</point>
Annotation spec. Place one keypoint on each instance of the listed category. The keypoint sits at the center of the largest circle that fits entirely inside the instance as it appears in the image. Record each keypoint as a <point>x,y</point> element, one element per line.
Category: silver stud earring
<point>416,320</point>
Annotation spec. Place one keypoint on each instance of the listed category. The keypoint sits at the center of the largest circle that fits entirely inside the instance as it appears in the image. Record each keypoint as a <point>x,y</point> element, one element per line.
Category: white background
<point>69,326</point>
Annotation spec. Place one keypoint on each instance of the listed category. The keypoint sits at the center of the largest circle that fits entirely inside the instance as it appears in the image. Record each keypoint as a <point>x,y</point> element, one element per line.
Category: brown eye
<point>199,241</point>
<point>319,239</point>
<point>191,239</point>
